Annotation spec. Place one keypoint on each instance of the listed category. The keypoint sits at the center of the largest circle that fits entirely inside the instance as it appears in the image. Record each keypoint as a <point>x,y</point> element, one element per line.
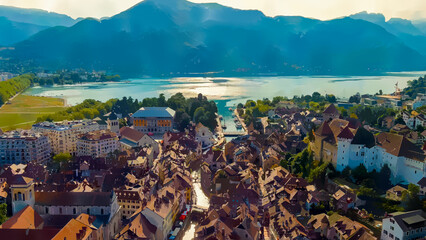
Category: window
<point>88,211</point>
<point>392,228</point>
<point>60,210</point>
<point>385,232</point>
<point>46,210</point>
<point>102,211</point>
<point>74,211</point>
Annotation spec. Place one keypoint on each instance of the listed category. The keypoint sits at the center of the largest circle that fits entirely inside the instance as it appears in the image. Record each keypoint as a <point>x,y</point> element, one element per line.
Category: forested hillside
<point>12,86</point>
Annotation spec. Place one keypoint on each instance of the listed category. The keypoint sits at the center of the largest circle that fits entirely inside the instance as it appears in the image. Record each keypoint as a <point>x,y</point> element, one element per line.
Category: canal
<point>201,200</point>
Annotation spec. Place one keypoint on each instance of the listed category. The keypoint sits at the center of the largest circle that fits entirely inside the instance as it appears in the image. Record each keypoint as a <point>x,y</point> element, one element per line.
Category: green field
<point>24,110</point>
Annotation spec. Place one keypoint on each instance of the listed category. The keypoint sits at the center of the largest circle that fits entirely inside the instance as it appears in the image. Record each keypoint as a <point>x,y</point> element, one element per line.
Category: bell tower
<point>113,123</point>
<point>22,189</point>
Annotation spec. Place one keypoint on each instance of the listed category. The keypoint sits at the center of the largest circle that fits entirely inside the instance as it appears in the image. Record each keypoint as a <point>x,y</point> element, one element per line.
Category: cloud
<point>321,9</point>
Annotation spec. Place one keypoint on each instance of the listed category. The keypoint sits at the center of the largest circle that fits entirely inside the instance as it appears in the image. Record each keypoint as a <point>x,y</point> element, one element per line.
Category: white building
<point>404,226</point>
<point>405,160</point>
<point>24,146</point>
<point>63,135</point>
<point>97,143</point>
<point>413,119</point>
<point>130,138</point>
<point>204,135</point>
<point>419,101</point>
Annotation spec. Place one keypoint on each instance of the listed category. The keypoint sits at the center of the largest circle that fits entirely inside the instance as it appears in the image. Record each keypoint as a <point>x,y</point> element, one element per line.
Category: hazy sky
<point>321,9</point>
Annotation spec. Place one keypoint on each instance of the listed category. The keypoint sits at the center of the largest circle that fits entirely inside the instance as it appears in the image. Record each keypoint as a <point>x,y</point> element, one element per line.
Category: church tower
<point>22,189</point>
<point>113,124</point>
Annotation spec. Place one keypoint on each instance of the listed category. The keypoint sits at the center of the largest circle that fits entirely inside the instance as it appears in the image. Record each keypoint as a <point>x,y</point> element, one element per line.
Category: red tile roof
<point>331,109</point>
<point>346,133</point>
<point>324,130</point>
<point>131,134</point>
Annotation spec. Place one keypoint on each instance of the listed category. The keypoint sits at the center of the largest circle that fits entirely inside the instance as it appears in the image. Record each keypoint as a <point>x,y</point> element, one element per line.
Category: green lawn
<point>342,181</point>
<point>24,111</point>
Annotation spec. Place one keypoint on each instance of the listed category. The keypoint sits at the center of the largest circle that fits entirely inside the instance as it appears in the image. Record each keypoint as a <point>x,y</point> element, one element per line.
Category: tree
<point>360,173</point>
<point>399,120</point>
<point>346,173</point>
<point>62,158</point>
<point>410,198</point>
<point>367,192</point>
<point>383,178</point>
<point>198,114</point>
<point>330,98</point>
<point>3,213</point>
<point>354,116</point>
<point>250,103</point>
<point>317,175</point>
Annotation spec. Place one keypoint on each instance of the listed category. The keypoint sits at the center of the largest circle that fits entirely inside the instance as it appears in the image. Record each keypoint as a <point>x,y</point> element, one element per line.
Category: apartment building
<point>97,143</point>
<point>24,146</point>
<point>63,135</point>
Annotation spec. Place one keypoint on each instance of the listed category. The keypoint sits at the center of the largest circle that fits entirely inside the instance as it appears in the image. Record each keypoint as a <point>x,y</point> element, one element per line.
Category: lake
<point>230,91</point>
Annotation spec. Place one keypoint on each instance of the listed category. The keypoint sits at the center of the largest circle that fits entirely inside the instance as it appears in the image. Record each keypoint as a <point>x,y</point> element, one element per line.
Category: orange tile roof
<point>74,230</point>
<point>27,218</point>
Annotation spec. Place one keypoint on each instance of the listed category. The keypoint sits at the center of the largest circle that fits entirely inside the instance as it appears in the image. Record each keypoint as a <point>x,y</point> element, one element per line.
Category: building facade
<point>404,226</point>
<point>405,160</point>
<point>97,143</point>
<point>24,146</point>
<point>63,135</point>
<point>153,120</point>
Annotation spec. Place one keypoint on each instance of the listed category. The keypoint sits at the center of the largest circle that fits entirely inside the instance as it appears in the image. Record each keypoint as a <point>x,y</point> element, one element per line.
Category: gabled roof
<point>28,234</point>
<point>398,145</point>
<point>73,198</point>
<point>422,182</point>
<point>337,125</point>
<point>364,137</point>
<point>159,112</point>
<point>20,180</point>
<point>27,218</point>
<point>74,230</point>
<point>346,133</point>
<point>331,109</point>
<point>324,130</point>
<point>131,134</point>
<point>407,219</point>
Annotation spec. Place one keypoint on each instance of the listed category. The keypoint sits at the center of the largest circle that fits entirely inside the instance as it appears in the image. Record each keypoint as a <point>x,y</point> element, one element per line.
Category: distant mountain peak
<point>370,17</point>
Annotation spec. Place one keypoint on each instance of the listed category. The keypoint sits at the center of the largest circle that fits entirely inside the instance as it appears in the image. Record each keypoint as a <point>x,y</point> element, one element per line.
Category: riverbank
<point>22,110</point>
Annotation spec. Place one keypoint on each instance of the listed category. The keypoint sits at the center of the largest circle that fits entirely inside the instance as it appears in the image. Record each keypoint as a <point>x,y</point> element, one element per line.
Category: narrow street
<point>201,200</point>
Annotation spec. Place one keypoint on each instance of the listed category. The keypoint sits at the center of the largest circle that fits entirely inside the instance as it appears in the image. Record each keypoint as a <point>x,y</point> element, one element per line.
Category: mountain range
<point>162,37</point>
